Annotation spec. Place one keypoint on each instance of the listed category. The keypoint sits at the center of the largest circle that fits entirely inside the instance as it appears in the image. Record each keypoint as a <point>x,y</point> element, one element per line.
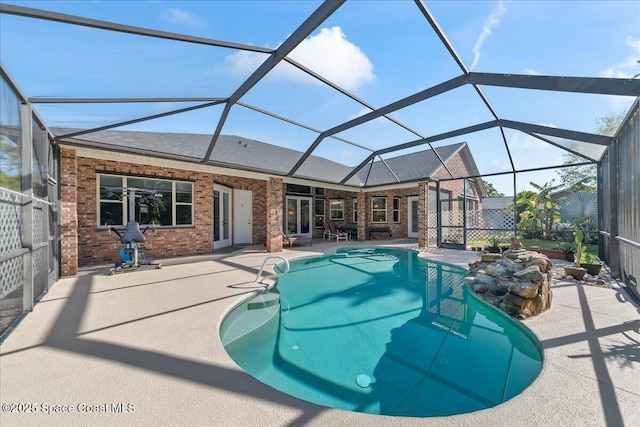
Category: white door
<point>298,216</point>
<point>242,209</point>
<point>221,216</point>
<point>413,217</point>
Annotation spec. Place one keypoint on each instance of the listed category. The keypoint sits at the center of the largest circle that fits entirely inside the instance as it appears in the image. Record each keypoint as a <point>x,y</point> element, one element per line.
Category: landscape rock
<point>531,274</point>
<point>517,281</point>
<point>524,289</point>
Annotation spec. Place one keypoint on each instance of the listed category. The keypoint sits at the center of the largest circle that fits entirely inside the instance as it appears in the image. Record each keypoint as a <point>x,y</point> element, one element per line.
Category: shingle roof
<point>408,167</point>
<point>247,154</point>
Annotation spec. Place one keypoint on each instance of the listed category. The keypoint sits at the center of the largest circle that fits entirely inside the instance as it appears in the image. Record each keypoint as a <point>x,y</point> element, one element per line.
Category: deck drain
<point>363,380</point>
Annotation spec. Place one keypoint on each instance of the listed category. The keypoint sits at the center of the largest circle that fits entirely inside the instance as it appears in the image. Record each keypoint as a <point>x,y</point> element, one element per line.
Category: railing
<point>259,279</point>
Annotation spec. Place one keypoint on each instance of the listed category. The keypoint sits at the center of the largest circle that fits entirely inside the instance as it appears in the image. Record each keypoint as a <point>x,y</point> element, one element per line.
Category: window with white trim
<point>336,209</point>
<point>378,209</point>
<point>170,203</point>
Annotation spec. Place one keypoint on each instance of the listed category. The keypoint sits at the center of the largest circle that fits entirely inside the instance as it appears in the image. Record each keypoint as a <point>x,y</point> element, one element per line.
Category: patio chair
<point>292,239</point>
<point>331,232</point>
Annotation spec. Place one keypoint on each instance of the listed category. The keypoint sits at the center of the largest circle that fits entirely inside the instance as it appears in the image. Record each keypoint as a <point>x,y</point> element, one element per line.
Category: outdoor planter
<point>553,253</point>
<point>578,273</point>
<point>592,269</point>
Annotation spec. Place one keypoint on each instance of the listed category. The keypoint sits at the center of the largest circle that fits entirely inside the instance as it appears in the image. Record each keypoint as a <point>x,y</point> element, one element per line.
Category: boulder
<point>503,268</point>
<point>543,264</point>
<point>524,289</point>
<point>479,288</point>
<point>517,281</point>
<point>509,308</point>
<point>530,274</point>
<point>469,280</point>
<point>515,299</point>
<point>498,290</point>
<point>491,257</point>
<point>487,279</point>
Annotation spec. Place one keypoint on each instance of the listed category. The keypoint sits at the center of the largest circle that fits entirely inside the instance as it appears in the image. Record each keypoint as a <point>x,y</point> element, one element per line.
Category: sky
<point>379,51</point>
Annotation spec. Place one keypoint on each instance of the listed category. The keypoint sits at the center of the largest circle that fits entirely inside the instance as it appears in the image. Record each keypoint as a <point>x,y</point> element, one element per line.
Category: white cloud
<point>502,165</point>
<point>332,56</point>
<point>346,155</point>
<point>629,66</point>
<point>492,21</point>
<point>328,53</point>
<point>177,16</point>
<point>241,64</point>
<point>530,72</point>
<point>527,142</point>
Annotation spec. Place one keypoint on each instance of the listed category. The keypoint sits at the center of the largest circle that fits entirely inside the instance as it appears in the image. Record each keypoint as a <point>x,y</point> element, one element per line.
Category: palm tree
<point>537,210</point>
<point>581,210</point>
<point>549,206</point>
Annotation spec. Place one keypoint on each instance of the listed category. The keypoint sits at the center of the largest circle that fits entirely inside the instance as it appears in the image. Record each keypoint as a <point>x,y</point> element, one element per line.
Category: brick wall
<point>68,211</point>
<point>458,167</point>
<point>84,243</point>
<point>273,214</point>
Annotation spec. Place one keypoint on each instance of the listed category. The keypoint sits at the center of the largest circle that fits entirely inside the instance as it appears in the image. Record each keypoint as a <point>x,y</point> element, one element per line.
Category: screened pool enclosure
<point>358,83</point>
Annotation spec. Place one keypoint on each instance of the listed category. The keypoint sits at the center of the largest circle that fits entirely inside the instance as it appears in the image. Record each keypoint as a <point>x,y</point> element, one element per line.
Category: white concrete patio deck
<point>149,340</point>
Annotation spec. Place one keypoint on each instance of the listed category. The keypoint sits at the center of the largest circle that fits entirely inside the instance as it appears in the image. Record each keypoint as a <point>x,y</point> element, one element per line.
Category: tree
<point>609,124</point>
<point>536,209</point>
<point>491,190</point>
<point>584,177</point>
<point>10,164</point>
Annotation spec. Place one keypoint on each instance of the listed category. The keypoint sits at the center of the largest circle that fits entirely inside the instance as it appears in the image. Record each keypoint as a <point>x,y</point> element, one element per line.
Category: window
<point>298,189</point>
<point>378,209</point>
<point>167,203</point>
<point>396,209</point>
<point>336,209</point>
<point>319,213</point>
<point>355,210</point>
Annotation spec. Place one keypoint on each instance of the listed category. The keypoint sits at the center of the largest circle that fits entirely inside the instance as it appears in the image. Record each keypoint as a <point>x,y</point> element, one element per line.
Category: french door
<point>221,217</point>
<point>298,216</point>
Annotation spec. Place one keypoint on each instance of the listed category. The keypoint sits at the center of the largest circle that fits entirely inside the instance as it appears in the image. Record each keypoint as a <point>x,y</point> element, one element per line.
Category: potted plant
<point>569,251</point>
<point>591,263</point>
<point>555,253</point>
<point>494,244</point>
<point>577,272</point>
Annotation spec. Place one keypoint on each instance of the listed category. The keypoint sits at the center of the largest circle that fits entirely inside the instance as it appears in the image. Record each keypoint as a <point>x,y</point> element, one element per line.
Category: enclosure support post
<point>464,212</point>
<point>614,244</point>
<point>515,208</point>
<point>438,216</point>
<point>27,206</point>
<point>423,237</point>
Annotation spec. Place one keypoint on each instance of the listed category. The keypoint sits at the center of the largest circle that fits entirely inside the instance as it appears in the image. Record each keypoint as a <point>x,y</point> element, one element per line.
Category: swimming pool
<point>381,331</point>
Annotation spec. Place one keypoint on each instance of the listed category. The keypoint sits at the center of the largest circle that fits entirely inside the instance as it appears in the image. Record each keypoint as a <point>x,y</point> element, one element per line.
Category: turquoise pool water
<point>381,331</point>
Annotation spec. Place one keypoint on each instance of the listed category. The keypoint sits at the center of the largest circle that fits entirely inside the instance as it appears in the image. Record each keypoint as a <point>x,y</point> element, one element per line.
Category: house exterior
<point>245,197</point>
